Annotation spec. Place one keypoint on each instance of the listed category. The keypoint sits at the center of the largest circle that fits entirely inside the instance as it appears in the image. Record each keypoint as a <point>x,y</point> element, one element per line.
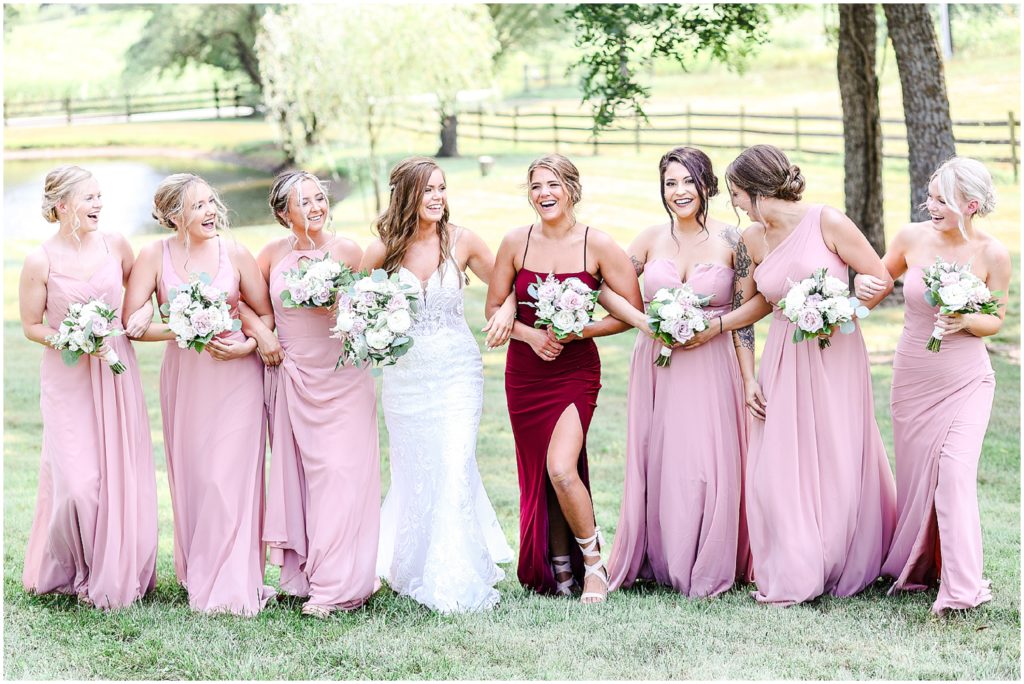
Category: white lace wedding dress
<point>439,537</point>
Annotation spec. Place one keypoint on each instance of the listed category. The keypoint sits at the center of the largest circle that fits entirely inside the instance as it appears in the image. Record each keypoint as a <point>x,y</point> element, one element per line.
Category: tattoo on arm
<point>638,265</point>
<point>741,260</point>
<point>744,337</point>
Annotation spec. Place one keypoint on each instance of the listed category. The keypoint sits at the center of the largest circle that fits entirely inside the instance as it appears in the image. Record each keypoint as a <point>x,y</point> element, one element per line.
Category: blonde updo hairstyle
<point>765,171</point>
<point>281,192</point>
<point>566,173</point>
<point>962,179</point>
<point>169,208</point>
<point>59,186</point>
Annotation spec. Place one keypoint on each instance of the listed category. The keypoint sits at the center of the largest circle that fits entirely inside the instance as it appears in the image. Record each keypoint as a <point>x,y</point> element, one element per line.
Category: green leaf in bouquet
<point>531,290</point>
<point>378,275</point>
<point>236,324</point>
<point>798,335</point>
<point>930,297</point>
<point>165,309</point>
<point>862,311</point>
<point>69,356</point>
<point>205,278</point>
<point>286,299</point>
<point>847,327</point>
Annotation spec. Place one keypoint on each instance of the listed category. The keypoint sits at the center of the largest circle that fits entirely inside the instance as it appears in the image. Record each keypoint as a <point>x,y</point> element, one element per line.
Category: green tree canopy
<point>617,41</point>
<point>178,35</point>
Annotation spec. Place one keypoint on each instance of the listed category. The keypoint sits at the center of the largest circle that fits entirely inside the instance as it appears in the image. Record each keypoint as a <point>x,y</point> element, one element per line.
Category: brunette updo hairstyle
<point>765,171</point>
<point>698,165</point>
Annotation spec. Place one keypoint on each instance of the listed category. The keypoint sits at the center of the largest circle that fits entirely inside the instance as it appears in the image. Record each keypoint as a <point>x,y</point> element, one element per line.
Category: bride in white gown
<point>440,541</point>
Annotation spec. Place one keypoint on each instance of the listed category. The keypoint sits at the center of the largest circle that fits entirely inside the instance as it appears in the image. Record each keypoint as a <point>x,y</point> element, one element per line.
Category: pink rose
<point>810,320</point>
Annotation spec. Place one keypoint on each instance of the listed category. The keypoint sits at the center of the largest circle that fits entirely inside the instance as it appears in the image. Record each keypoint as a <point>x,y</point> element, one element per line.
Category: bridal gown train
<point>440,541</point>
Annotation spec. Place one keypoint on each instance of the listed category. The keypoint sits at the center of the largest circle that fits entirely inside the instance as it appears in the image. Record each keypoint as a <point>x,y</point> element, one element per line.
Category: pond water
<point>127,186</point>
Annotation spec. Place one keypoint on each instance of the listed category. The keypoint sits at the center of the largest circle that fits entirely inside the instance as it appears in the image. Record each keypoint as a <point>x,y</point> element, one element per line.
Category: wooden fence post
<point>1013,146</point>
<point>796,128</point>
<point>216,98</point>
<point>636,132</point>
<point>67,108</point>
<point>526,78</point>
<point>5,113</point>
<point>743,125</point>
<point>480,121</point>
<point>127,107</point>
<point>594,135</point>
<point>554,127</point>
<point>689,125</point>
<point>515,126</point>
<point>238,100</point>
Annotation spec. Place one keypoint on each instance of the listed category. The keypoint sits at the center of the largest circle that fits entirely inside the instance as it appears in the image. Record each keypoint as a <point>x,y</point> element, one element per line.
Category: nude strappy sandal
<point>591,549</point>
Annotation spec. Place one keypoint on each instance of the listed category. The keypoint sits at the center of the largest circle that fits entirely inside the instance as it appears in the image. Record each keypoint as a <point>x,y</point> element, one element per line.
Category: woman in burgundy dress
<point>552,386</point>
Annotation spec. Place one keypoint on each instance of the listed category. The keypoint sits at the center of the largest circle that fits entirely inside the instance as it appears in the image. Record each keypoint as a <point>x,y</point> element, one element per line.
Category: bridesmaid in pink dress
<point>682,522</point>
<point>323,504</point>
<point>941,402</point>
<point>94,533</point>
<point>212,405</point>
<point>820,495</point>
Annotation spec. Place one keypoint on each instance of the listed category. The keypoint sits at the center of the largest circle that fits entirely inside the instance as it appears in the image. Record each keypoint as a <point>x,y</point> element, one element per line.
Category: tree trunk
<point>372,160</point>
<point>449,136</point>
<point>925,104</point>
<point>862,129</point>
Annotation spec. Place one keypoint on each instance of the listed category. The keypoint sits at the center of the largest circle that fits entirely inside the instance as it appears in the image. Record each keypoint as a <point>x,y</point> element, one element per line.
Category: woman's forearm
<point>38,332</point>
<point>982,325</point>
<point>156,332</point>
<point>753,310</point>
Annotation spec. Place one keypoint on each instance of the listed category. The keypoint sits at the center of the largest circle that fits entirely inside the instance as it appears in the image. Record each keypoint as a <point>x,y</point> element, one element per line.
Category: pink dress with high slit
<point>821,503</point>
<point>941,405</point>
<point>215,441</point>
<point>94,531</point>
<point>323,501</point>
<point>681,522</point>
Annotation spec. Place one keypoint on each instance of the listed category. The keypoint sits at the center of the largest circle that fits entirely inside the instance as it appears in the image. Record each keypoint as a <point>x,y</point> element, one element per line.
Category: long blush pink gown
<point>681,522</point>
<point>940,409</point>
<point>821,503</point>
<point>323,501</point>
<point>94,532</point>
<point>215,441</point>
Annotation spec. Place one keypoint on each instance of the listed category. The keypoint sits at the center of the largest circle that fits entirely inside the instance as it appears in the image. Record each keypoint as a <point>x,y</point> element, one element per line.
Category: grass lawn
<point>647,633</point>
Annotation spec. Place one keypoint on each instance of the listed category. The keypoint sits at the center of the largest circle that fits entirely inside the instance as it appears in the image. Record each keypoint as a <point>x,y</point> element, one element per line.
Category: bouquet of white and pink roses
<point>315,283</point>
<point>374,316</point>
<point>675,315</point>
<point>818,305</point>
<point>83,331</point>
<point>197,312</point>
<point>567,305</point>
<point>955,290</point>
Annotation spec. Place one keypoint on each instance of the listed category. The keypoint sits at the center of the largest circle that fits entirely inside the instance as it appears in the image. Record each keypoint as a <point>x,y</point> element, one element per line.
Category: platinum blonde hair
<point>965,179</point>
<point>281,192</point>
<point>59,186</point>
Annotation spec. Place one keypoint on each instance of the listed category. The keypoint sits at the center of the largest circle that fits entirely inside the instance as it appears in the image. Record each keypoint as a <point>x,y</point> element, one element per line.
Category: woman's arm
<point>619,276</point>
<point>997,259</point>
<point>373,257</point>
<point>140,290</point>
<point>866,286</point>
<point>499,289</point>
<point>134,325</point>
<point>32,297</point>
<point>844,238</point>
<point>480,260</point>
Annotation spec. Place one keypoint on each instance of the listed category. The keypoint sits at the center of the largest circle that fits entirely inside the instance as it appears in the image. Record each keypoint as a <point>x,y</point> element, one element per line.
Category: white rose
<point>981,294</point>
<point>364,285</point>
<point>379,339</point>
<point>545,310</point>
<point>953,296</point>
<point>399,321</point>
<point>834,287</point>
<point>564,320</point>
<point>671,312</point>
<point>795,300</point>
<point>345,321</point>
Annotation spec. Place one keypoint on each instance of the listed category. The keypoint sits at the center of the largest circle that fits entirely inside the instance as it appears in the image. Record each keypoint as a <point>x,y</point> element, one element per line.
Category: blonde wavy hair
<point>169,208</point>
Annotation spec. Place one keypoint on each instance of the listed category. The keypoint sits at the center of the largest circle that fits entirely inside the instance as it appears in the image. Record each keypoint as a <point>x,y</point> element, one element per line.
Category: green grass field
<point>646,633</point>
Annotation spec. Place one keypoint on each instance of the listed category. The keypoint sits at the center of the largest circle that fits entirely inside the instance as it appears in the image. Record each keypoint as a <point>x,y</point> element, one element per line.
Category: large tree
<point>332,71</point>
<point>925,103</point>
<point>176,36</point>
<point>862,129</point>
<point>617,41</point>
